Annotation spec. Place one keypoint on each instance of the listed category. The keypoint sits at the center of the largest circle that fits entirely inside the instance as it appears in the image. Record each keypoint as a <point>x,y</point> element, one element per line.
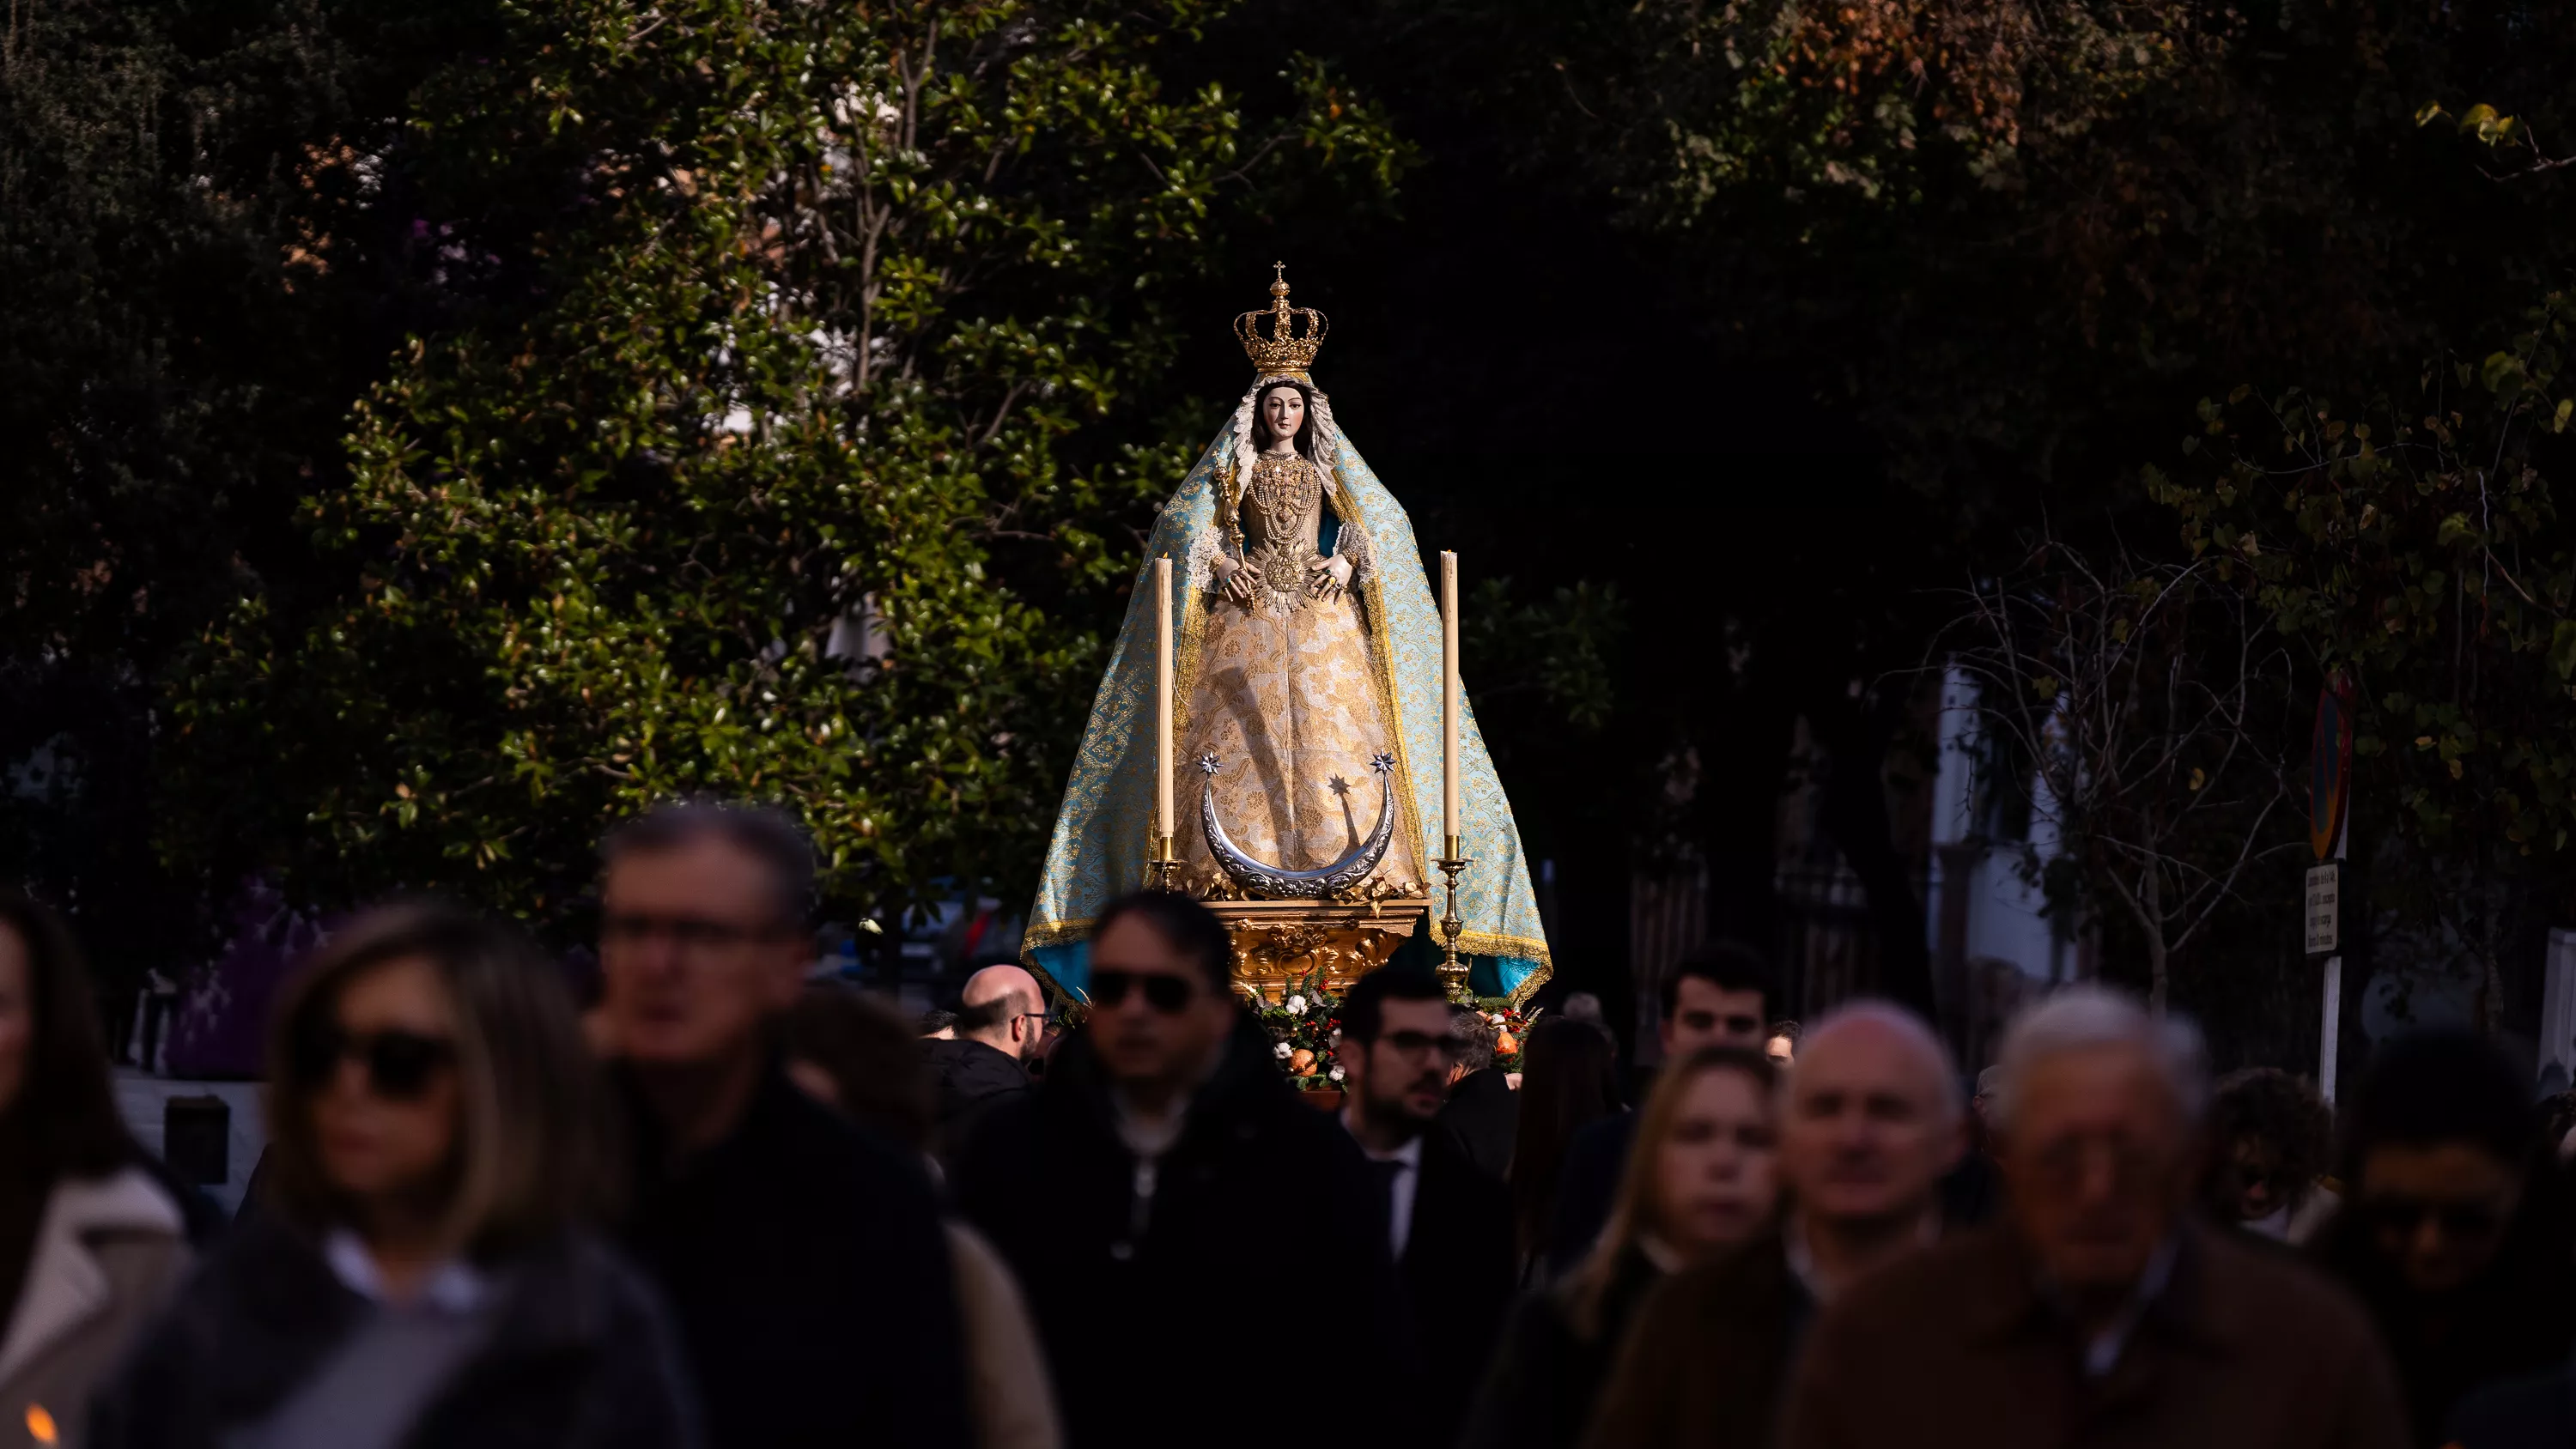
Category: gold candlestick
<point>1453,972</point>
<point>1159,861</point>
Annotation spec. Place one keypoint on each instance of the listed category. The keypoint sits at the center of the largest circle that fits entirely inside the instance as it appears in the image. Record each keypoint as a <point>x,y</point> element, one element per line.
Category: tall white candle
<point>1449,700</point>
<point>1163,698</point>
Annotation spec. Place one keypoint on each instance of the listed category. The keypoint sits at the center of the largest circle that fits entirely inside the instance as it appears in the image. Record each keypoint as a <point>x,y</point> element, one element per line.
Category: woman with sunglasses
<point>2454,1231</point>
<point>1698,1183</point>
<point>424,1271</point>
<point>90,1245</point>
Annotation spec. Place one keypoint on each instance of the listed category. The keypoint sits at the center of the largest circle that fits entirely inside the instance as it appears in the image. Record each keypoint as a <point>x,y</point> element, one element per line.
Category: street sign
<point>2330,765</point>
<point>2324,916</point>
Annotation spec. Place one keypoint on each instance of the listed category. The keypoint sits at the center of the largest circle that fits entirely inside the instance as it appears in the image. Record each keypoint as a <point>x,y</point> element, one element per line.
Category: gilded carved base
<point>1279,942</point>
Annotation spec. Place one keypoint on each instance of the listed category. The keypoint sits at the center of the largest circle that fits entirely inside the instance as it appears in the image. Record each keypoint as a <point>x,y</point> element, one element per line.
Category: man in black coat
<point>1194,1242</point>
<point>1003,1023</point>
<point>1716,996</point>
<point>1483,1113</point>
<point>1448,1225</point>
<point>804,1262</point>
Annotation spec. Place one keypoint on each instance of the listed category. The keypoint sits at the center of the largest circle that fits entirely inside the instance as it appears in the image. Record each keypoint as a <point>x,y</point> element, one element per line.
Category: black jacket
<point>970,1079</point>
<point>1482,1117</point>
<point>1549,1368</point>
<point>1166,1317</point>
<point>805,1263</point>
<point>2532,1413</point>
<point>1586,1187</point>
<point>1457,1276</point>
<point>581,1356</point>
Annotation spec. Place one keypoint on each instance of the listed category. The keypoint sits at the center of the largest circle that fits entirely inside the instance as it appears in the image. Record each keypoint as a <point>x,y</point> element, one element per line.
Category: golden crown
<point>1286,349</point>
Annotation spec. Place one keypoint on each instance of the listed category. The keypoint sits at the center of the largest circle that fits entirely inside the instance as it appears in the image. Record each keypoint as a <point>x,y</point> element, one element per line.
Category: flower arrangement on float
<point>1305,1026</point>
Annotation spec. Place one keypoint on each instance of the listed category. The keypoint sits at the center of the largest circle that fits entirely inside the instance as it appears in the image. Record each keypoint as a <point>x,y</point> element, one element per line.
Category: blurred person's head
<point>1699,1178</point>
<point>1478,1040</point>
<point>2269,1138</point>
<point>429,1084</point>
<point>57,1104</point>
<point>937,1025</point>
<point>704,931</point>
<point>1983,1103</point>
<point>1569,1080</point>
<point>1162,996</point>
<point>857,1056</point>
<point>1718,995</point>
<point>2098,1109</point>
<point>1870,1119</point>
<point>2437,1146</point>
<point>1780,1043</point>
<point>1395,1052</point>
<point>1004,1011</point>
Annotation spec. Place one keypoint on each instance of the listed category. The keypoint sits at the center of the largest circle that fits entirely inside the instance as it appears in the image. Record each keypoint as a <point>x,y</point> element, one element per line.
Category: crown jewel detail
<point>1294,335</point>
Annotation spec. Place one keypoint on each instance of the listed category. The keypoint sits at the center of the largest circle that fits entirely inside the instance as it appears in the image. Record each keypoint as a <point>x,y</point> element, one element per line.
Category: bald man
<point>999,1028</point>
<point>1870,1120</point>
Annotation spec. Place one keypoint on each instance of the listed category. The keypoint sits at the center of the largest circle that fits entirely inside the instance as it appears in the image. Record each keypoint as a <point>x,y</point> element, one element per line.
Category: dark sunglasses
<point>1166,994</point>
<point>399,1064</point>
<point>2457,1219</point>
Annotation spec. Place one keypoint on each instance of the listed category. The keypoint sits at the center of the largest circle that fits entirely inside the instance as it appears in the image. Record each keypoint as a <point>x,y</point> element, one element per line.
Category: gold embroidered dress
<point>1286,694</point>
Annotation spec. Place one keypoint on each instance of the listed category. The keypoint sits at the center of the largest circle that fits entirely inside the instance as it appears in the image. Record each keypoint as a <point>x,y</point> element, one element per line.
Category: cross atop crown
<point>1286,347</point>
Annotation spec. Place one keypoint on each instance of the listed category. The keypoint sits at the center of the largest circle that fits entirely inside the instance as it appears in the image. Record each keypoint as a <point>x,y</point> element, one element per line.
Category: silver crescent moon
<point>1278,883</point>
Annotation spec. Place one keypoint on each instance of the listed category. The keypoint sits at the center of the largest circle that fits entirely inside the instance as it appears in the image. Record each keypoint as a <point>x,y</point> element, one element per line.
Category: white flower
<point>1335,1074</point>
<point>1496,1018</point>
<point>1282,1051</point>
<point>1296,1006</point>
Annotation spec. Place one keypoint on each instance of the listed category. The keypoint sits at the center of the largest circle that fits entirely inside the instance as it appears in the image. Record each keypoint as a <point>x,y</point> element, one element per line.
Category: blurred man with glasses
<point>1448,1225</point>
<point>1174,1212</point>
<point>804,1261</point>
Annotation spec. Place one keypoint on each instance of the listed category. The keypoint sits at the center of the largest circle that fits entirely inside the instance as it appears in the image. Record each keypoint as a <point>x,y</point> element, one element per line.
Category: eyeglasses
<point>688,933</point>
<point>399,1064</point>
<point>1415,1043</point>
<point>1166,994</point>
<point>2456,1219</point>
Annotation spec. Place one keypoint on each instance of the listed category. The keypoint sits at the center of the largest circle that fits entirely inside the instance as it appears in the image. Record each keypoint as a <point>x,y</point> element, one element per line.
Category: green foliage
<point>847,323</point>
<point>2413,540</point>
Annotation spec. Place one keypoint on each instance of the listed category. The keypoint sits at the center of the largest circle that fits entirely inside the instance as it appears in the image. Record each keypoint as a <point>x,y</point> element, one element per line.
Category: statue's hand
<point>1328,577</point>
<point>1235,581</point>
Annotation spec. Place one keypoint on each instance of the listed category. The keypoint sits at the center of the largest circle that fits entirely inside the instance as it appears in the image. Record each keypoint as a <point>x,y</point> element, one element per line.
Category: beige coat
<point>1013,1405</point>
<point>109,1253</point>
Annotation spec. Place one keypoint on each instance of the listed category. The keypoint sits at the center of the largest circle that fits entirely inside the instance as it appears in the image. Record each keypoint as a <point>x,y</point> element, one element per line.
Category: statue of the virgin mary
<point>1306,685</point>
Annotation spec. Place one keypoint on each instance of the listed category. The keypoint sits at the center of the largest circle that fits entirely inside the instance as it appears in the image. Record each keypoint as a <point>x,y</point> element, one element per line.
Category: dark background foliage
<point>1721,340</point>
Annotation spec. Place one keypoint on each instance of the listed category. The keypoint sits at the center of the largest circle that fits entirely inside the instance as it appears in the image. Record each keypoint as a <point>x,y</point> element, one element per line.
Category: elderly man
<point>2096,1313</point>
<point>986,1064</point>
<point>803,1261</point>
<point>1870,1120</point>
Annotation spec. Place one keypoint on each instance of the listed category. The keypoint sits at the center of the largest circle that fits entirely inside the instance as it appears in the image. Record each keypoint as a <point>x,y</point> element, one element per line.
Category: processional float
<point>1284,641</point>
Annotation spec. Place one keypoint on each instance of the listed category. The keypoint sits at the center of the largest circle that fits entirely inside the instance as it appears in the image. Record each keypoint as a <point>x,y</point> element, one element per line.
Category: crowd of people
<point>727,1205</point>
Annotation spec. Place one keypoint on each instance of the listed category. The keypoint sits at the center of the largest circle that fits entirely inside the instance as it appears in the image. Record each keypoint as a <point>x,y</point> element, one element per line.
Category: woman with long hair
<point>1569,1080</point>
<point>91,1246</point>
<point>425,1270</point>
<point>1699,1183</point>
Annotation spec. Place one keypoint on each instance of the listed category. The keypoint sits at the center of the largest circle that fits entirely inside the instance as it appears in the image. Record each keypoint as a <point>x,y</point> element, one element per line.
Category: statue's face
<point>1283,412</point>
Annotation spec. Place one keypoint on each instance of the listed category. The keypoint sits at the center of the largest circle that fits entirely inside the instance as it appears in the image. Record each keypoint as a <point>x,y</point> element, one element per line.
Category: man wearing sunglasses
<point>1153,1190</point>
<point>1448,1225</point>
<point>804,1262</point>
